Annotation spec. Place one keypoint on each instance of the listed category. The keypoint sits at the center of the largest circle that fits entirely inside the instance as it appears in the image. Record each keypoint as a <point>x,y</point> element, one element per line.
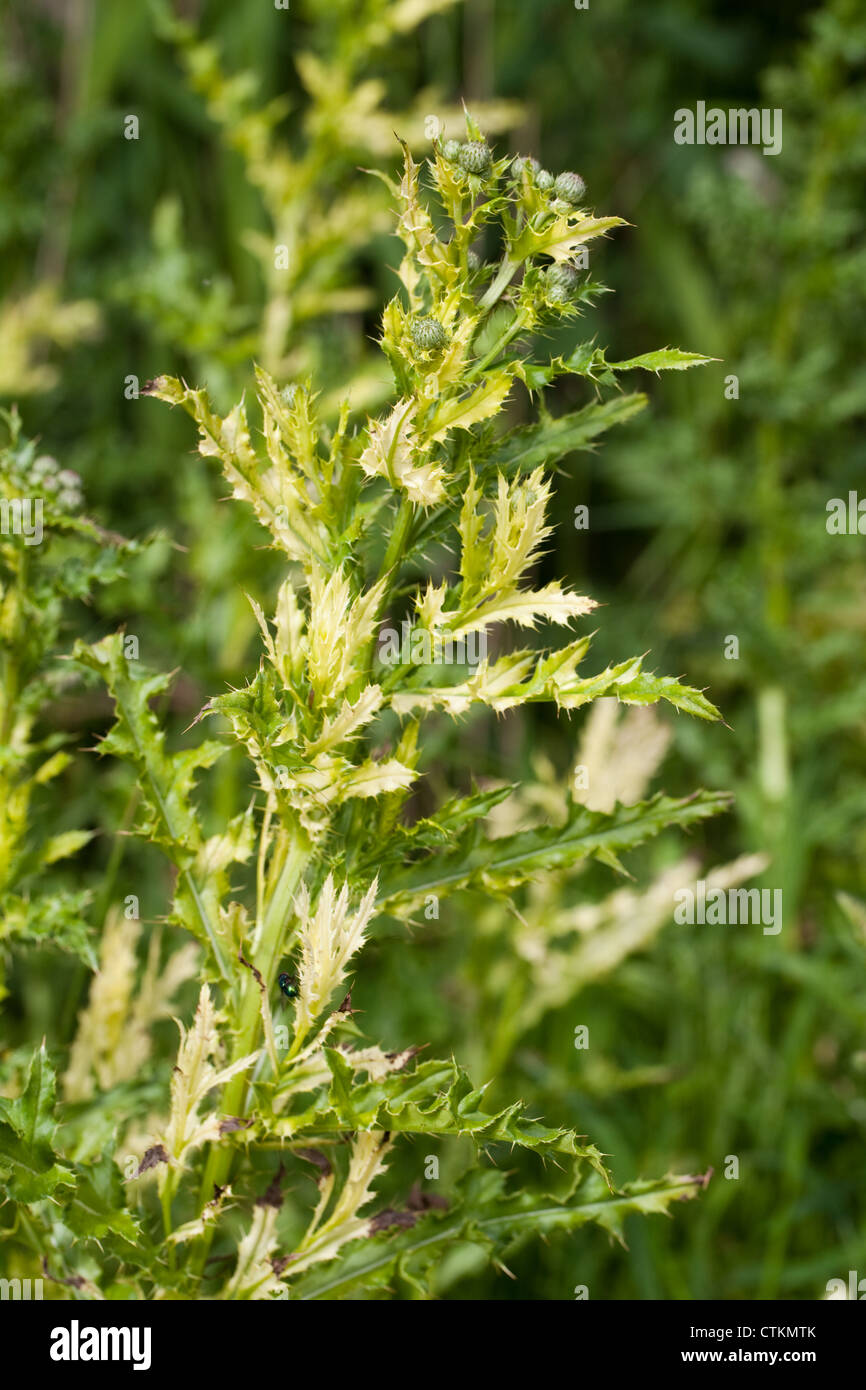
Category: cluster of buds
<point>545,200</point>
<point>472,156</point>
<point>41,477</point>
<point>560,283</point>
<point>566,187</point>
<point>547,197</point>
<point>61,484</point>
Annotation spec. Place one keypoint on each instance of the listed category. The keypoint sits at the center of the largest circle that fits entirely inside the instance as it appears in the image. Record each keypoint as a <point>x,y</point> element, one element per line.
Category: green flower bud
<point>562,275</point>
<point>428,334</point>
<point>473,261</point>
<point>544,181</point>
<point>570,187</point>
<point>525,163</point>
<point>558,294</point>
<point>451,150</point>
<point>474,157</point>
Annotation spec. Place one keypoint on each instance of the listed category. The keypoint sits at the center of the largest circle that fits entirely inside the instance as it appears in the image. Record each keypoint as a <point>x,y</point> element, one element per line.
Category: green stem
<point>271,945</point>
<point>500,284</point>
<point>399,537</point>
<point>160,796</point>
<point>515,326</point>
<point>165,1202</point>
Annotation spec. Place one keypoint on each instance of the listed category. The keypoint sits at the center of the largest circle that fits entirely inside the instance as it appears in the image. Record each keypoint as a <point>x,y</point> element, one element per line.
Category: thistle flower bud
<point>570,187</point>
<point>428,333</point>
<point>564,275</point>
<point>473,261</point>
<point>560,283</point>
<point>544,180</point>
<point>451,150</point>
<point>525,163</point>
<point>474,157</point>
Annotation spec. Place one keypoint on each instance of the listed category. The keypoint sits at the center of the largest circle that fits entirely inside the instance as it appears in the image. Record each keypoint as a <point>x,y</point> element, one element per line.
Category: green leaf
<point>590,361</point>
<point>53,919</point>
<point>31,1114</point>
<point>561,237</point>
<point>435,1097</point>
<point>166,781</point>
<point>633,686</point>
<point>98,1206</point>
<point>485,1215</point>
<point>455,815</point>
<point>663,360</point>
<point>646,689</point>
<point>63,845</point>
<point>465,411</point>
<point>514,859</point>
<point>27,1124</point>
<point>552,439</point>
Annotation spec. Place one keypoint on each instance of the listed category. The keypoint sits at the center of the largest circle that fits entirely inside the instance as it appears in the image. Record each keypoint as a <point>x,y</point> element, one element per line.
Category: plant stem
<point>393,555</point>
<point>270,946</point>
<point>399,537</point>
<point>502,341</point>
<point>165,1202</point>
<point>500,284</point>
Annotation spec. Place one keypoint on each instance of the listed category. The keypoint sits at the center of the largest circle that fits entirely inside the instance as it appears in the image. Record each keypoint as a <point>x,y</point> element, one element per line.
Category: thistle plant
<point>432,517</point>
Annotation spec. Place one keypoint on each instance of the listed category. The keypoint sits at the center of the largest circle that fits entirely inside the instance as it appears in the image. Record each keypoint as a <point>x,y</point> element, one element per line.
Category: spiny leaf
<point>663,360</point>
<point>516,679</point>
<point>561,237</point>
<point>463,412</point>
<point>52,919</point>
<point>97,1209</point>
<point>633,686</point>
<point>514,859</point>
<point>434,1098</point>
<point>166,781</point>
<point>484,1212</point>
<point>551,439</point>
<point>28,1162</point>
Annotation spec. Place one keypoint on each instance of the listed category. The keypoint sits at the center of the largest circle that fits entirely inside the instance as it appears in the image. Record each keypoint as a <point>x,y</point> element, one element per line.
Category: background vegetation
<point>128,258</point>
